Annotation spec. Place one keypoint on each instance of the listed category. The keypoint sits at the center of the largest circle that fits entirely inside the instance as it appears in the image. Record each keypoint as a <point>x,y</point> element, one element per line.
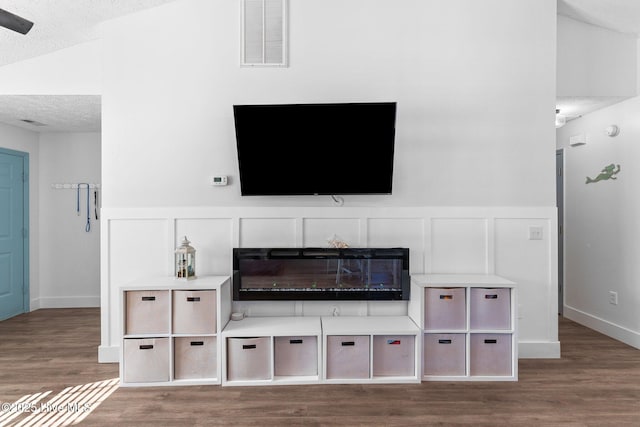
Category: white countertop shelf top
<point>484,280</point>
<point>171,283</point>
<point>274,326</point>
<point>367,325</point>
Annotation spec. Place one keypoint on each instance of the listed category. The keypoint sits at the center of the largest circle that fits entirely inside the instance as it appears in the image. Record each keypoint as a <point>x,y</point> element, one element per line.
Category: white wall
<point>474,166</point>
<point>18,139</point>
<point>594,61</point>
<point>474,82</point>
<point>70,256</point>
<point>71,71</point>
<point>601,222</point>
<point>64,264</point>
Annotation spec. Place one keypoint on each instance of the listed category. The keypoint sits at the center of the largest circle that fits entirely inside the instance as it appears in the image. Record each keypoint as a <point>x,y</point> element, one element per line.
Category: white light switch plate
<point>535,232</point>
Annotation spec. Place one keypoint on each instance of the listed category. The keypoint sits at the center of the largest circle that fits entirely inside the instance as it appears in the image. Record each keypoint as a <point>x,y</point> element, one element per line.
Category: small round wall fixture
<point>612,130</point>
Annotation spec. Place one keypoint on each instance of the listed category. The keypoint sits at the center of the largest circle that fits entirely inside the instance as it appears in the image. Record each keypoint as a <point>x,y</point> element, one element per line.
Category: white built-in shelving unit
<point>272,350</point>
<point>171,330</point>
<point>460,327</point>
<point>469,326</point>
<point>370,349</point>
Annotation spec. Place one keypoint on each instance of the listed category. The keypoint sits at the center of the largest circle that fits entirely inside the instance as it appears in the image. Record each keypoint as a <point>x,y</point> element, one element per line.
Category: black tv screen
<point>315,149</point>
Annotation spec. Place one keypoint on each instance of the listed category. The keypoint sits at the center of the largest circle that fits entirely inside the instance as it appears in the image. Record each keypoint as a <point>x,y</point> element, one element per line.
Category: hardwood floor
<point>595,383</point>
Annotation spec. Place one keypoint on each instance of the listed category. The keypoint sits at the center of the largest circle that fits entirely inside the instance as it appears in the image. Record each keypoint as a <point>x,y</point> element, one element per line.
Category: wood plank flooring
<point>595,383</point>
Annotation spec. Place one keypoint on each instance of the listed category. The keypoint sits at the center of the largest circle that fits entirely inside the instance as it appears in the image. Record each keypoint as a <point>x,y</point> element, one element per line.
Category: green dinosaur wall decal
<point>609,172</point>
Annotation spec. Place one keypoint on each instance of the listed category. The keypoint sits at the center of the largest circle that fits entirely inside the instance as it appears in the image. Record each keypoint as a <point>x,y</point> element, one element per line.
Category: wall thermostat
<point>218,180</point>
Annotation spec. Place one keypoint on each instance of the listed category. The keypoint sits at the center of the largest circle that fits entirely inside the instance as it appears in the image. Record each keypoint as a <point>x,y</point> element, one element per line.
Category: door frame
<point>26,295</point>
<point>560,207</point>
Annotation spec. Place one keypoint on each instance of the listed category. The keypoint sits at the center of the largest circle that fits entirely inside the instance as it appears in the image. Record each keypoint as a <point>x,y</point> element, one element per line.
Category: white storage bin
<point>147,312</point>
<point>347,356</point>
<point>490,308</point>
<point>296,356</point>
<point>445,354</point>
<point>146,360</point>
<point>490,355</point>
<point>445,309</point>
<point>194,312</point>
<point>194,358</point>
<point>394,355</point>
<point>249,359</point>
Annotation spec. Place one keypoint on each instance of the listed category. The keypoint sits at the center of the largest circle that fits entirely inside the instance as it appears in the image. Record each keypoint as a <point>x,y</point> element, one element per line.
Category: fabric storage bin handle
<point>490,341</point>
<point>348,343</point>
<point>248,346</point>
<point>148,298</point>
<point>295,341</point>
<point>197,342</point>
<point>193,299</point>
<point>491,296</point>
<point>146,347</point>
<point>444,341</point>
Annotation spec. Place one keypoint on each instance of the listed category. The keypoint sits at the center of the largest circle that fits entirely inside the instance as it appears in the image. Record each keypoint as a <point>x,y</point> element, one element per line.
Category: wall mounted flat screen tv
<point>315,149</point>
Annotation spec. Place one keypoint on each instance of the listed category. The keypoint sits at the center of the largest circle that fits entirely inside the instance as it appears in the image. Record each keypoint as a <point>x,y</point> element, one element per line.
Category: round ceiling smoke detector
<point>612,130</point>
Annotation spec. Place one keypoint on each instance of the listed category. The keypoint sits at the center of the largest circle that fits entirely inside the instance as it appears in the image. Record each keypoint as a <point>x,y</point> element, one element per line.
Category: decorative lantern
<point>185,261</point>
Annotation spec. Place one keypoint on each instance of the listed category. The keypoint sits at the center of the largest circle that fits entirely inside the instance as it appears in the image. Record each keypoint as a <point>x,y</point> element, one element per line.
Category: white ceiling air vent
<point>264,33</point>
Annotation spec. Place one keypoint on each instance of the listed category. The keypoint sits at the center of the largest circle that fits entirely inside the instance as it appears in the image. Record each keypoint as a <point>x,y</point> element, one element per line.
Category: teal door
<point>14,292</point>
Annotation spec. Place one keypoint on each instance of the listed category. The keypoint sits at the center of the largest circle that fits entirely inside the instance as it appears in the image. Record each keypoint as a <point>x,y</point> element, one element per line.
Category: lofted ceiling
<point>57,25</point>
<point>64,23</point>
<point>617,15</point>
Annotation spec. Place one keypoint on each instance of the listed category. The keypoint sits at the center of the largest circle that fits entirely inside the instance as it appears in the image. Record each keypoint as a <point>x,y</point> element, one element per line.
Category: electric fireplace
<point>321,274</point>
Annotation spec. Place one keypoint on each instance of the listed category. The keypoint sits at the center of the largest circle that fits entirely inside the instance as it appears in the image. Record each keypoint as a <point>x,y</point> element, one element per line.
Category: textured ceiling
<point>68,113</point>
<point>57,24</point>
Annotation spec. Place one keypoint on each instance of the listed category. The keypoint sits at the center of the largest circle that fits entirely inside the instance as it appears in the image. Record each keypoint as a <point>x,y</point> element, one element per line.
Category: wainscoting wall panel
<point>459,245</point>
<point>399,232</point>
<point>267,232</point>
<point>213,240</point>
<point>139,242</point>
<point>526,262</point>
<point>316,232</point>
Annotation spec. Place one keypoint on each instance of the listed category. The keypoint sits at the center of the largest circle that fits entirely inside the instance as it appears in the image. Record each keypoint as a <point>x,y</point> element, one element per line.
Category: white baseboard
<point>66,302</point>
<point>539,350</point>
<point>109,354</point>
<point>610,329</point>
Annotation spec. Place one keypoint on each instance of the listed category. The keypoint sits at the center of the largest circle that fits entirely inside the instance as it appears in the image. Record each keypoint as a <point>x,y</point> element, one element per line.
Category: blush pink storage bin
<point>194,312</point>
<point>445,308</point>
<point>194,358</point>
<point>490,354</point>
<point>147,312</point>
<point>146,360</point>
<point>445,354</point>
<point>248,359</point>
<point>347,356</point>
<point>394,355</point>
<point>490,308</point>
<point>296,356</point>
